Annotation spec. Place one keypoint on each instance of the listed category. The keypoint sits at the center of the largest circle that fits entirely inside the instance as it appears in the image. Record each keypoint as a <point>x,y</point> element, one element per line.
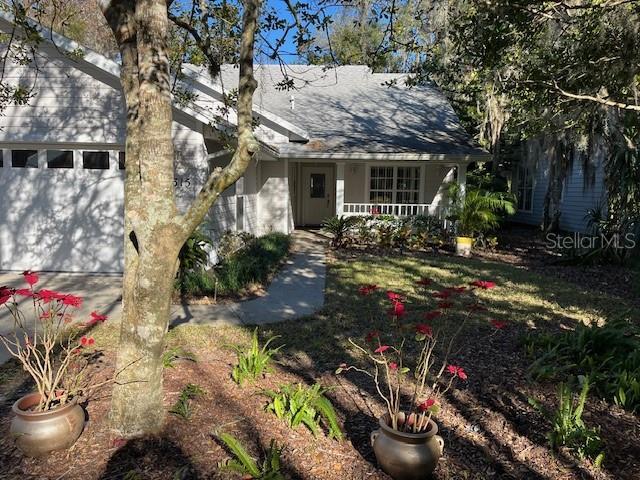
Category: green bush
<point>254,263</point>
<point>340,227</point>
<point>609,355</point>
<point>254,361</point>
<point>300,404</point>
<point>193,258</point>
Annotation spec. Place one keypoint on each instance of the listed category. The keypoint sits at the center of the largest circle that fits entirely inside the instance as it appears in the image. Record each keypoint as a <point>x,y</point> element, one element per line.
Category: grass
<point>253,265</point>
<point>534,300</point>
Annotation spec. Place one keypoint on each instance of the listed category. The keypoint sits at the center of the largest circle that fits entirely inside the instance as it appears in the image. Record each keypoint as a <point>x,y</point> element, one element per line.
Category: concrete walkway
<point>297,291</point>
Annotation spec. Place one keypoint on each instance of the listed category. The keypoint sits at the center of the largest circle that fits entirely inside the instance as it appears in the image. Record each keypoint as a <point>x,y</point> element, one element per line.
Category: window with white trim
<point>524,192</point>
<point>394,185</point>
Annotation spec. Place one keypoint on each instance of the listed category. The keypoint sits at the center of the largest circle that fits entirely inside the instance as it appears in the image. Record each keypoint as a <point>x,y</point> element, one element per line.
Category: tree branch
<point>603,101</point>
<point>221,178</point>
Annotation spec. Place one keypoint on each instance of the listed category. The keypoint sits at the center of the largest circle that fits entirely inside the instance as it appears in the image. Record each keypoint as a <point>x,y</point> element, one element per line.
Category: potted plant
<point>476,213</point>
<point>51,347</point>
<point>411,361</point>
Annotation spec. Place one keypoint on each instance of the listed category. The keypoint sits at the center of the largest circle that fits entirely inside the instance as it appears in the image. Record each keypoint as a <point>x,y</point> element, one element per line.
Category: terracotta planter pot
<point>463,246</point>
<point>39,433</point>
<point>407,456</point>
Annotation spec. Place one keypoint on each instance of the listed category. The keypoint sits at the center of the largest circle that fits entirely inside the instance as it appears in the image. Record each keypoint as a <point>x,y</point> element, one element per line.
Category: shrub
<point>340,227</point>
<point>300,404</point>
<point>245,464</point>
<point>252,264</point>
<point>232,242</point>
<point>480,211</point>
<point>255,361</point>
<point>193,258</point>
<point>182,407</point>
<point>568,428</point>
<point>609,355</point>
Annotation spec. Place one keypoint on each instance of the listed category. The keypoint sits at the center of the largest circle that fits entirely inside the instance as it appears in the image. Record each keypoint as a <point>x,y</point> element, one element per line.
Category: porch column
<point>286,195</point>
<point>340,188</point>
<point>462,179</point>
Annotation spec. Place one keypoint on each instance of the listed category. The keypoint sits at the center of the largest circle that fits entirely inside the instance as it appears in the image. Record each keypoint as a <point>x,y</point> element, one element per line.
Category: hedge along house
<point>341,141</point>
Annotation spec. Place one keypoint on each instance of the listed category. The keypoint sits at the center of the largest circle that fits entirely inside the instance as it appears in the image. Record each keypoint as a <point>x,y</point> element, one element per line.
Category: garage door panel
<point>61,220</point>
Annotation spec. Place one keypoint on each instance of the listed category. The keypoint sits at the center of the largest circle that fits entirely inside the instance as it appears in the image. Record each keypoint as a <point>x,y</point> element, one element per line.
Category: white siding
<point>71,219</point>
<point>274,201</point>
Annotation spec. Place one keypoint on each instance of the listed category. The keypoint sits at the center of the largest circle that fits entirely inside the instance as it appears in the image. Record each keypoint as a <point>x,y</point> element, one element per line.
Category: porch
<point>402,189</point>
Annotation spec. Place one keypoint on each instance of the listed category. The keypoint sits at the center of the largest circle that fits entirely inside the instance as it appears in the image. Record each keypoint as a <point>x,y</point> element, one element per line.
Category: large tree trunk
<point>154,229</point>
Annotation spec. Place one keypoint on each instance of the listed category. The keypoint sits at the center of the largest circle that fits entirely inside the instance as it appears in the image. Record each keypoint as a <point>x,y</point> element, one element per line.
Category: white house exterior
<point>340,143</point>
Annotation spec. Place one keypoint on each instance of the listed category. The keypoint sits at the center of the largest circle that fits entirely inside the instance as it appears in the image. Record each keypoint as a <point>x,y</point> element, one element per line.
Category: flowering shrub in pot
<point>409,364</point>
<point>53,350</point>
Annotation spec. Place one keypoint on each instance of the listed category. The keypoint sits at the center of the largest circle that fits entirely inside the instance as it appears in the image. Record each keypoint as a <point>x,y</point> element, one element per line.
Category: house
<point>580,181</point>
<point>341,142</point>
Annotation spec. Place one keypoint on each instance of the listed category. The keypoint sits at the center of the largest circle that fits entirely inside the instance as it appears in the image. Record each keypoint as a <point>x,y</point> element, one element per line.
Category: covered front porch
<point>319,190</point>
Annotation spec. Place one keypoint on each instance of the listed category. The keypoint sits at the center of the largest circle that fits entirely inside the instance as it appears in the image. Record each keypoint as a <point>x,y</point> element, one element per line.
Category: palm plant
<point>480,210</point>
<point>339,227</point>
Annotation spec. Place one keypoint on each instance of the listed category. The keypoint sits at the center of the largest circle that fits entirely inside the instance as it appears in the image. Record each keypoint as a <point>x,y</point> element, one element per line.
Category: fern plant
<point>254,361</point>
<point>299,404</point>
<point>568,428</point>
<point>246,465</point>
<point>182,407</point>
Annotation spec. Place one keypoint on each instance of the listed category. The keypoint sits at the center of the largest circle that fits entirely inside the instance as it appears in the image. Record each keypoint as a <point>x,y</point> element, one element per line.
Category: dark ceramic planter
<point>407,456</point>
<point>39,433</point>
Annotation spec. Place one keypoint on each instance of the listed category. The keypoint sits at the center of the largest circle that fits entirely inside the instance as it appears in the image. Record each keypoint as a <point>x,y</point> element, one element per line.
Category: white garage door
<point>61,210</point>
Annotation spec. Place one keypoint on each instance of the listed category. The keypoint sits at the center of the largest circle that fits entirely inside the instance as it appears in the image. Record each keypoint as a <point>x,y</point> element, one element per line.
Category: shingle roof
<point>349,109</point>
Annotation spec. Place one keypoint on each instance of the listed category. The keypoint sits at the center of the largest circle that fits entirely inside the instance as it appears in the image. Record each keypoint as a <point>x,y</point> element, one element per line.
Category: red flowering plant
<point>52,347</point>
<point>410,362</point>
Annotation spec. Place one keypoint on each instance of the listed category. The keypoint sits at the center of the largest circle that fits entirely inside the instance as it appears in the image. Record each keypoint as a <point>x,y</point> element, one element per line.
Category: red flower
<point>84,341</point>
<point>371,335</point>
<point>433,314</point>
<point>71,300</point>
<point>382,349</point>
<point>457,371</point>
<point>365,290</point>
<point>424,281</point>
<point>424,329</point>
<point>397,310</point>
<point>393,366</point>
<point>484,284</point>
<point>393,296</point>
<point>444,294</point>
<point>91,341</point>
<point>426,405</point>
<point>445,304</point>
<point>5,294</point>
<point>498,324</point>
<point>24,292</point>
<point>30,277</point>
<point>96,317</point>
<point>49,295</point>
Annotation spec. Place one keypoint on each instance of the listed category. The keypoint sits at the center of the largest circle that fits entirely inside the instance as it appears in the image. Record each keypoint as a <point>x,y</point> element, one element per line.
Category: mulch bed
<point>489,428</point>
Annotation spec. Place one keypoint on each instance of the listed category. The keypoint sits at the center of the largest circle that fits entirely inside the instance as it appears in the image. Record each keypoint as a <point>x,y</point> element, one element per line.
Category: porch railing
<point>395,209</point>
